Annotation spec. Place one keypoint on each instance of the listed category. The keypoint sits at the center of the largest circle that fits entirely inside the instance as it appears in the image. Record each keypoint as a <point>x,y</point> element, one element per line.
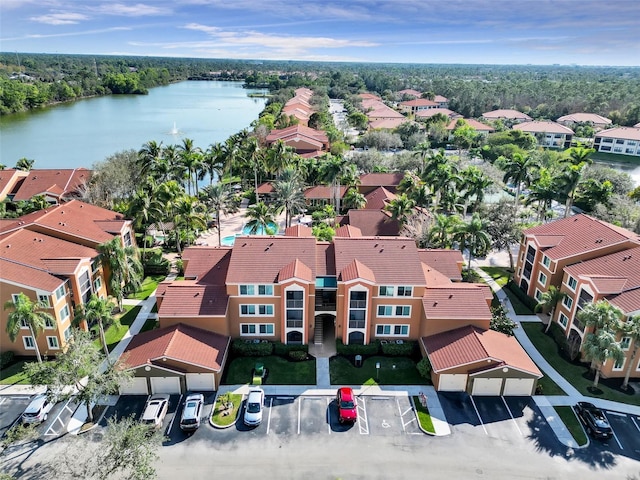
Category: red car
<point>346,400</point>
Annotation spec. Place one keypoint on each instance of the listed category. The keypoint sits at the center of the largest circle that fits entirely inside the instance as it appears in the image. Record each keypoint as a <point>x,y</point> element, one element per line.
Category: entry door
<point>487,386</point>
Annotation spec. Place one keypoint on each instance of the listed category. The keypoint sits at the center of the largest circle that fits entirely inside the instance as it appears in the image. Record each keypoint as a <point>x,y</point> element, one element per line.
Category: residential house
<point>409,92</point>
<point>426,114</point>
<point>547,249</point>
<point>507,115</point>
<point>9,177</point>
<point>372,181</point>
<point>443,102</point>
<point>379,114</point>
<point>597,121</point>
<point>614,278</point>
<point>621,140</point>
<point>295,289</point>
<point>548,134</point>
<point>55,185</point>
<point>371,222</point>
<point>306,141</point>
<point>481,128</point>
<point>321,195</point>
<point>419,104</point>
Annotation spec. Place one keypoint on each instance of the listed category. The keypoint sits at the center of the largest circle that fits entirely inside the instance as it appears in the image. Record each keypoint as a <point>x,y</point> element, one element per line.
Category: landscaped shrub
<point>246,348</point>
<point>298,355</point>
<point>353,349</point>
<point>523,297</point>
<point>6,358</point>
<point>404,349</point>
<point>283,350</point>
<point>424,367</point>
<point>557,334</point>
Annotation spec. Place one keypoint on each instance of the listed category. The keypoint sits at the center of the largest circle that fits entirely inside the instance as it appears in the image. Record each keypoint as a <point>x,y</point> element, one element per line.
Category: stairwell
<point>318,333</point>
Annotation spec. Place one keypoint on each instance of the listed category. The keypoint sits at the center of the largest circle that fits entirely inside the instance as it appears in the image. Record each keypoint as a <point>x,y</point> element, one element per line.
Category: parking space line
<point>635,423</point>
<point>616,413</point>
<point>50,429</point>
<point>299,413</point>
<point>173,419</point>
<point>67,408</point>
<point>269,417</point>
<point>614,432</point>
<point>478,414</point>
<point>363,425</point>
<point>404,430</point>
<point>511,415</point>
<point>2,400</point>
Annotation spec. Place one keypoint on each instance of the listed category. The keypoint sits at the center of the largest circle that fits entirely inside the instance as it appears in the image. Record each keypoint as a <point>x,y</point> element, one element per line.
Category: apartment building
<point>621,140</point>
<point>548,134</point>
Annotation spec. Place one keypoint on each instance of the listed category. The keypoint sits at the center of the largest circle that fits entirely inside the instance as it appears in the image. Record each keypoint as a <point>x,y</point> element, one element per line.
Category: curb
<point>222,427</point>
<point>413,405</point>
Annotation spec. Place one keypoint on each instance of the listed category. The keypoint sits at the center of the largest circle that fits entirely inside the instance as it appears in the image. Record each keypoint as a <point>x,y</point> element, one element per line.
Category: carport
<point>175,360</point>
<point>480,362</point>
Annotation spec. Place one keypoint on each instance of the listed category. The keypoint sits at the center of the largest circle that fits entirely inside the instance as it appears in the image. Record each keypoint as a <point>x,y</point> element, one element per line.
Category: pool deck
<point>230,225</point>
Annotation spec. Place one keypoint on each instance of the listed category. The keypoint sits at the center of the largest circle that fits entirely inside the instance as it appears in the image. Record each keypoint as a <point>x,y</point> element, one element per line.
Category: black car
<point>594,420</point>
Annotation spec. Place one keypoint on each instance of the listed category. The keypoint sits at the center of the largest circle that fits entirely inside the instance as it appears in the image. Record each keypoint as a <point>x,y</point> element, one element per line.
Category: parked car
<point>594,420</point>
<point>190,419</point>
<point>155,410</point>
<point>39,408</point>
<point>347,406</point>
<point>254,407</point>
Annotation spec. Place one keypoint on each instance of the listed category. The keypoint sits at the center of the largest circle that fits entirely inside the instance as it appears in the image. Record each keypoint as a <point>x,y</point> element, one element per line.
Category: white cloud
<point>137,10</point>
<point>66,18</point>
<point>67,34</point>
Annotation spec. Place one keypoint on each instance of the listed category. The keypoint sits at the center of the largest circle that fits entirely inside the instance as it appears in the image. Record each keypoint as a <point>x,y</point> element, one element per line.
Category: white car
<point>190,420</point>
<point>38,409</point>
<point>254,407</point>
<point>155,410</point>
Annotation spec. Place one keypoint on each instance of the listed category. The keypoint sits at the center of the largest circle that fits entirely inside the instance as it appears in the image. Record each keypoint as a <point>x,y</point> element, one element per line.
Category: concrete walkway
<point>546,403</point>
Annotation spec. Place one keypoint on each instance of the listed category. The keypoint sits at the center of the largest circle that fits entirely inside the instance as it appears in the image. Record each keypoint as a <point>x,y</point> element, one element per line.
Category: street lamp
<point>377,371</point>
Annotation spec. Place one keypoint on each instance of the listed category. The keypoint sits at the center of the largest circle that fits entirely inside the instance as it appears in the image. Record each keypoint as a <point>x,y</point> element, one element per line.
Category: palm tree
<point>543,190</point>
<point>519,170</point>
<point>25,164</point>
<point>631,328</point>
<point>218,197</point>
<point>441,233</point>
<point>253,158</point>
<point>149,156</point>
<point>473,236</point>
<point>289,195</point>
<point>354,199</point>
<point>125,268</point>
<point>27,313</point>
<point>400,208</point>
<point>578,159</point>
<point>550,300</point>
<point>278,157</point>
<point>474,183</point>
<point>261,217</point>
<point>188,211</point>
<point>599,347</point>
<point>191,161</point>
<point>331,169</point>
<point>98,310</point>
<point>213,162</point>
<point>422,151</point>
<point>145,209</point>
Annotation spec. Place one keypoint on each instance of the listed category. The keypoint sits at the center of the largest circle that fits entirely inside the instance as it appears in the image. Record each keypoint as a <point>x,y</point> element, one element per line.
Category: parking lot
<point>626,435</point>
<point>12,406</point>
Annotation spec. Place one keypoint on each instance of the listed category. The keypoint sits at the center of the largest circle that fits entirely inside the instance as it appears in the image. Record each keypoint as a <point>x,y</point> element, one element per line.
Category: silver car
<point>190,420</point>
<point>254,407</point>
<point>155,410</point>
<point>38,409</point>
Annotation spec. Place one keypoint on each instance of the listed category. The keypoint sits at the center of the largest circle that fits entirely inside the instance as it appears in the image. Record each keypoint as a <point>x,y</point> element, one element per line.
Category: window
<point>584,298</point>
<point>619,141</point>
<point>60,292</point>
<point>67,333</point>
<point>247,309</point>
<point>572,283</point>
<point>538,295</point>
<point>15,297</point>
<point>23,324</point>
<point>357,309</point>
<point>264,310</point>
<point>265,289</point>
<point>607,140</point>
<point>394,311</point>
<point>256,328</point>
<point>247,290</point>
<point>542,279</point>
<point>127,239</point>
<point>386,291</point>
<point>64,313</point>
<point>29,344</point>
<point>392,330</point>
<point>546,261</point>
<point>391,291</point>
<point>48,323</point>
<point>564,321</point>
<point>52,342</point>
<point>404,291</point>
<point>619,364</point>
<point>44,300</point>
<point>97,283</point>
<point>625,343</point>
<point>95,265</point>
<point>295,308</point>
<point>567,302</point>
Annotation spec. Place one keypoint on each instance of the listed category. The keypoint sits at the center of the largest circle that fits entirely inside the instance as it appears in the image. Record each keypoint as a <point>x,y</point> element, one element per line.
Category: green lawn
<point>549,387</point>
<point>572,423</point>
<point>423,416</point>
<point>577,374</point>
<point>149,284</point>
<point>114,334</point>
<point>13,374</point>
<point>501,275</point>
<point>405,372</point>
<point>223,417</point>
<point>279,371</point>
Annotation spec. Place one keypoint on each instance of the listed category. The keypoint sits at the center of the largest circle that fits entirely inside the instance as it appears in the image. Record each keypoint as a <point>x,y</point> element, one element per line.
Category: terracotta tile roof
<point>447,262</point>
<point>369,96</point>
<point>434,111</point>
<point>265,187</point>
<point>468,345</point>
<point>44,252</point>
<point>433,277</point>
<point>180,342</point>
<point>628,301</point>
<point>381,179</point>
<point>78,219</point>
<point>581,117</point>
<point>456,301</point>
<point>611,274</point>
<point>440,99</point>
<point>377,199</point>
<point>387,123</point>
<point>537,126</point>
<point>419,102</point>
<point>476,125</point>
<point>55,181</point>
<point>310,134</point>
<point>393,260</point>
<point>625,133</point>
<point>356,270</point>
<point>188,298</point>
<point>298,100</point>
<point>298,231</point>
<point>506,113</point>
<point>348,231</point>
<point>35,278</point>
<point>578,234</point>
<point>373,223</point>
<point>208,265</point>
<point>8,179</point>
<point>322,192</point>
<point>376,110</point>
<point>296,269</point>
<point>259,259</point>
<point>325,259</point>
<point>410,91</point>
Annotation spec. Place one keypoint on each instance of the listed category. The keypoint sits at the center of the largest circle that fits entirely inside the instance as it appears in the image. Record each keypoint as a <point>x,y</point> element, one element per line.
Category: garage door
<point>165,385</point>
<point>518,386</point>
<point>487,386</point>
<point>137,387</point>
<point>201,382</point>
<point>453,382</point>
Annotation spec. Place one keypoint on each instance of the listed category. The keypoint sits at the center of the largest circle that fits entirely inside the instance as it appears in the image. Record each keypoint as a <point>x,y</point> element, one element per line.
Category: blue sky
<point>584,32</point>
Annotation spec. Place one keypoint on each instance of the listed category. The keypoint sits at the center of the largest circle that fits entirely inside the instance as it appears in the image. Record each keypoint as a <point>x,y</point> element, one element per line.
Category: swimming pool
<point>246,230</point>
<point>228,241</point>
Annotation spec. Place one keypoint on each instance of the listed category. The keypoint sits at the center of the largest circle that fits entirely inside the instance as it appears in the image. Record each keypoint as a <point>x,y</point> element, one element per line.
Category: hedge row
<point>406,348</point>
<point>355,349</point>
<point>6,358</point>
<point>262,349</point>
<point>523,297</point>
<point>283,349</point>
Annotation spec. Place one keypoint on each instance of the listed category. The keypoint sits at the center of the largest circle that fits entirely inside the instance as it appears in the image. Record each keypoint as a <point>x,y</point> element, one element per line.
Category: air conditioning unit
<point>399,342</point>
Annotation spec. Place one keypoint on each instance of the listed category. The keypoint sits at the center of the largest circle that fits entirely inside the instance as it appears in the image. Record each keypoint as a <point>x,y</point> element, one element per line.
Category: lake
<point>80,133</point>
